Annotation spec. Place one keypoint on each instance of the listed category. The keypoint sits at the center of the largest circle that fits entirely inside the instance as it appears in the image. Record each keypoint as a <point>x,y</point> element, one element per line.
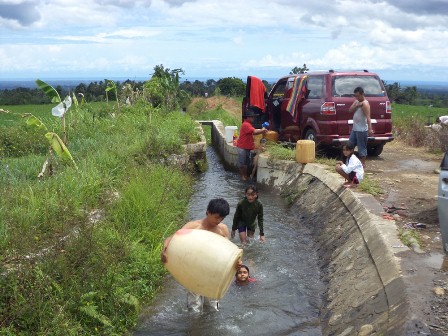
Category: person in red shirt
<point>245,142</point>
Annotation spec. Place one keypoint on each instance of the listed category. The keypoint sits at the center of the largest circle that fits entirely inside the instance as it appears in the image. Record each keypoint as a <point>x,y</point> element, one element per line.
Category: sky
<point>401,40</point>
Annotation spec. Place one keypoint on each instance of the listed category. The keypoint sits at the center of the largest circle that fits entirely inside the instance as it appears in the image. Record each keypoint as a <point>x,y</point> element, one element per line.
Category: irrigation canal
<point>285,299</point>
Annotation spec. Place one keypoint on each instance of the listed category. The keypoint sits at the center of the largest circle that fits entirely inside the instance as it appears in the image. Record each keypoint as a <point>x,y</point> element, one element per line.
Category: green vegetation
<point>402,113</point>
<point>232,86</point>
<point>322,159</point>
<point>279,152</point>
<point>216,114</point>
<point>299,70</point>
<point>409,237</point>
<point>79,250</point>
<point>412,95</point>
<point>370,186</point>
<point>409,125</point>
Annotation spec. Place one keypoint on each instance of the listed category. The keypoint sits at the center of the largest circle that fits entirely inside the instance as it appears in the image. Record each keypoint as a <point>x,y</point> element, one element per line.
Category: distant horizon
<point>30,80</point>
<point>142,78</point>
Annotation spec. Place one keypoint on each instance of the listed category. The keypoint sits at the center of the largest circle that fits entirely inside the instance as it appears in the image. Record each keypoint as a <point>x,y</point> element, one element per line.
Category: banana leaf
<point>110,85</point>
<point>34,121</point>
<point>59,147</point>
<point>75,100</point>
<point>49,91</point>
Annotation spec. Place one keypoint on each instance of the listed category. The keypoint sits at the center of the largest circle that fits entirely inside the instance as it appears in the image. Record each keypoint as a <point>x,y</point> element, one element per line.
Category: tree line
<point>411,95</point>
<point>167,81</point>
<point>164,81</point>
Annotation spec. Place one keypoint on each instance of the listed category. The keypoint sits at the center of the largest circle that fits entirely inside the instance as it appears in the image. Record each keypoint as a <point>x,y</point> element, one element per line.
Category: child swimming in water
<point>242,276</point>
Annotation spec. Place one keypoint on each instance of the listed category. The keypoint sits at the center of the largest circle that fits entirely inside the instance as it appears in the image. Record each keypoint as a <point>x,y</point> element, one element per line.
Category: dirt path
<point>408,179</point>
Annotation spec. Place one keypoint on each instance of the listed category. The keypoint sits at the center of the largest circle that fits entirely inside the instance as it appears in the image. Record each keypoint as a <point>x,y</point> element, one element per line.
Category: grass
<point>280,152</point>
<point>198,111</point>
<point>219,113</point>
<point>324,160</point>
<point>406,112</point>
<point>409,125</point>
<point>409,237</point>
<point>370,186</point>
<point>64,270</point>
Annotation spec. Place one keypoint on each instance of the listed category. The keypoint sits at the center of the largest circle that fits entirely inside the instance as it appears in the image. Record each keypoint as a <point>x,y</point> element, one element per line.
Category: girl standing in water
<point>248,210</point>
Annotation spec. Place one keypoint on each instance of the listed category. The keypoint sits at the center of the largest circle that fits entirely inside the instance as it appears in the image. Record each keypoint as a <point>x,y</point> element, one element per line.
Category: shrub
<point>414,133</point>
<point>21,140</point>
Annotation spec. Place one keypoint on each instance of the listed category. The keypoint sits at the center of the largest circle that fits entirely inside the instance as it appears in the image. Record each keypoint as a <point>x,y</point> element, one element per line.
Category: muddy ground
<point>409,179</point>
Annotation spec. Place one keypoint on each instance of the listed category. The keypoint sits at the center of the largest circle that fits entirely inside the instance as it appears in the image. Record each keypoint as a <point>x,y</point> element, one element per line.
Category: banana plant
<point>110,85</point>
<point>56,144</point>
<point>60,109</point>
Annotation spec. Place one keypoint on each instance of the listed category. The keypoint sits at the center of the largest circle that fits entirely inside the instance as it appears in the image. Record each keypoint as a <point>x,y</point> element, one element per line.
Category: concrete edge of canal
<point>358,248</point>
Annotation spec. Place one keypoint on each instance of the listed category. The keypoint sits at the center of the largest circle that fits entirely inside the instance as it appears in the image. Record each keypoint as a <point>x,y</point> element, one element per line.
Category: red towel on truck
<point>257,90</point>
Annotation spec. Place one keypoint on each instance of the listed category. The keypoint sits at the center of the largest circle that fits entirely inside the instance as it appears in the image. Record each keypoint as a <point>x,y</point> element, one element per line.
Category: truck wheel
<point>375,150</point>
<point>310,135</point>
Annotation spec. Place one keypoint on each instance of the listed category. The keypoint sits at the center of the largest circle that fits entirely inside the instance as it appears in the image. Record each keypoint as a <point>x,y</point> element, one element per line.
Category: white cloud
<point>231,37</point>
<point>105,37</point>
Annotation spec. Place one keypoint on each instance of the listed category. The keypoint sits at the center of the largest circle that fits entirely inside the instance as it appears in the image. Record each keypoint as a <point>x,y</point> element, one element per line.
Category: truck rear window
<point>343,86</point>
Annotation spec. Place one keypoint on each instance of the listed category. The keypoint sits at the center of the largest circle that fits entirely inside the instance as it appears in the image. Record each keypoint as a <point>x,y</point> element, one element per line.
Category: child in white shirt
<point>352,170</point>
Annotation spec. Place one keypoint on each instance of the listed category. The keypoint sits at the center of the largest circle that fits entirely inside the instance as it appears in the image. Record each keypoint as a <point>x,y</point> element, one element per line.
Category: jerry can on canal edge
<point>271,136</point>
<point>305,151</point>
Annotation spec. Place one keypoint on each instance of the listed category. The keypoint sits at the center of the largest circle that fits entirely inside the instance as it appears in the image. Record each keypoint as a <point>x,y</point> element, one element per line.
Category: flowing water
<point>286,296</point>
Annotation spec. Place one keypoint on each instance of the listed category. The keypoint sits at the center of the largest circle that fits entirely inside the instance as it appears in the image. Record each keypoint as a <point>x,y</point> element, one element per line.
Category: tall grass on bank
<point>80,250</point>
<point>200,113</point>
<point>409,125</point>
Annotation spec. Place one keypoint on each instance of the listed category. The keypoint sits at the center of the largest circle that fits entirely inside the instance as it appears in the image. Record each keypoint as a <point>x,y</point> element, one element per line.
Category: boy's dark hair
<point>359,90</point>
<point>218,206</point>
<point>249,187</point>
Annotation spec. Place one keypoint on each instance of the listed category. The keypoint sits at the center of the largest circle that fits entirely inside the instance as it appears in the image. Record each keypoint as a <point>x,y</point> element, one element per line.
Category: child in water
<point>352,170</point>
<point>247,211</point>
<point>242,276</point>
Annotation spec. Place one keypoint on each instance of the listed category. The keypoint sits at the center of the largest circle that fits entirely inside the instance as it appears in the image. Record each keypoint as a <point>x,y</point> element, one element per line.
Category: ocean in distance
<point>69,83</point>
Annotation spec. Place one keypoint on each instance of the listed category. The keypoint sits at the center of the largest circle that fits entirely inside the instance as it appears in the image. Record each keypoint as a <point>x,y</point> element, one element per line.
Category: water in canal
<point>286,297</point>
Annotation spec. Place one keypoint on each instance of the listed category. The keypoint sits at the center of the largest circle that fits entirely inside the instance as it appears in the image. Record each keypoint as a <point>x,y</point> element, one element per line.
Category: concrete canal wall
<point>365,291</point>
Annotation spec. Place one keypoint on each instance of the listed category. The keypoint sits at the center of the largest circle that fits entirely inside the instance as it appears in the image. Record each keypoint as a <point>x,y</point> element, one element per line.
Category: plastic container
<point>202,261</point>
<point>257,139</point>
<point>271,136</point>
<point>305,151</point>
<point>229,131</point>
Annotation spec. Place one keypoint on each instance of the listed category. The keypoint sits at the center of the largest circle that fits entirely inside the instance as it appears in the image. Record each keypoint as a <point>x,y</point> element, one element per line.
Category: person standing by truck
<point>362,125</point>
